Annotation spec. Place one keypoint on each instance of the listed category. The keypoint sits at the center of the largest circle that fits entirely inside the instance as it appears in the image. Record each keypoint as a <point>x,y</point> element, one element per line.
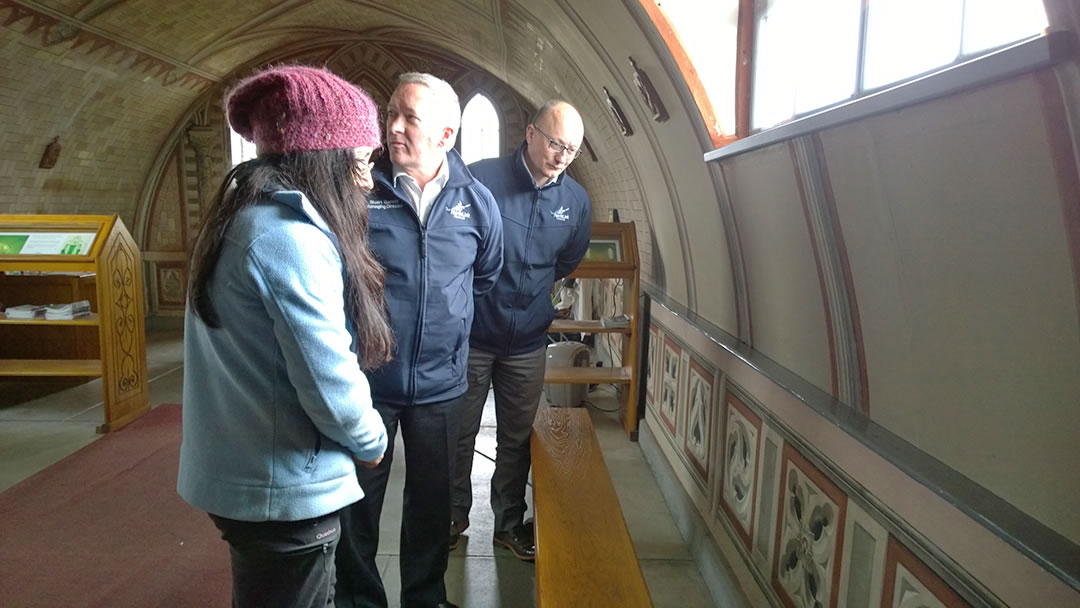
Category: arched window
<point>479,130</point>
<point>241,149</point>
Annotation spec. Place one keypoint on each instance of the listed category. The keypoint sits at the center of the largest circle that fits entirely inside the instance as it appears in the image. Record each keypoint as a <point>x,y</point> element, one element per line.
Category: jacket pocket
<point>313,455</point>
<point>455,359</point>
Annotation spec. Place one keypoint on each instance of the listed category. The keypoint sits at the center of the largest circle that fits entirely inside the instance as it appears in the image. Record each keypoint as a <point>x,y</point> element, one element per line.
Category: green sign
<point>604,250</point>
<point>46,243</point>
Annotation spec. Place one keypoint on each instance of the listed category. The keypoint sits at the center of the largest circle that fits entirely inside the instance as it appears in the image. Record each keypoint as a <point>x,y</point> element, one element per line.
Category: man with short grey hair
<point>438,233</point>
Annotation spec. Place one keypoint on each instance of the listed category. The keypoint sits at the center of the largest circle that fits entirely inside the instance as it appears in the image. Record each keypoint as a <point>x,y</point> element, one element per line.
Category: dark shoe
<point>445,605</point>
<point>456,528</point>
<point>519,541</point>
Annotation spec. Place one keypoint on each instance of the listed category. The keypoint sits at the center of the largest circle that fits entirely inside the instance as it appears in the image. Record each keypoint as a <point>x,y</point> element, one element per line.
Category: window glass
<point>805,57</point>
<point>992,23</point>
<point>479,130</point>
<point>708,32</point>
<point>905,38</point>
<point>241,149</point>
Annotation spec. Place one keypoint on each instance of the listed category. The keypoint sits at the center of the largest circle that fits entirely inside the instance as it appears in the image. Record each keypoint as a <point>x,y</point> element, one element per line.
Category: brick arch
<point>370,66</point>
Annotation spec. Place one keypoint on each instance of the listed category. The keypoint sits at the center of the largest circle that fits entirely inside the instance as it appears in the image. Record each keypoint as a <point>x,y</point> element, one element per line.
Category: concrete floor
<point>37,433</point>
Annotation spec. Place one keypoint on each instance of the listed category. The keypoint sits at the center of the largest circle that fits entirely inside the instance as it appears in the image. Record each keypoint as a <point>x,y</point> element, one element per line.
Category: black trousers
<point>282,564</point>
<point>430,433</point>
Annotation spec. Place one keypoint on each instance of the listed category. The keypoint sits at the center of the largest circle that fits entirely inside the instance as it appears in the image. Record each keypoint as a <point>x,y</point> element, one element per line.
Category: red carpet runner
<point>105,528</point>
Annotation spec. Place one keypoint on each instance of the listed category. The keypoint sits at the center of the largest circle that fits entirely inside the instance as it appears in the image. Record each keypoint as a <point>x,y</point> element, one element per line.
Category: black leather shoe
<point>456,528</point>
<point>519,541</point>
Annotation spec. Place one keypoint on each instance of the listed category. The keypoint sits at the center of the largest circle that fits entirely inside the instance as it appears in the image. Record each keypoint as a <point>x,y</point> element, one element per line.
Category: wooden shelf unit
<point>109,343</point>
<point>50,367</point>
<point>624,266</point>
<point>570,326</point>
<point>90,319</point>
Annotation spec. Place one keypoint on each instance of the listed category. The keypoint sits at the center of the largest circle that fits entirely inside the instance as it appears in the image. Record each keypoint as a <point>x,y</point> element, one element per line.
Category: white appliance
<point>567,354</point>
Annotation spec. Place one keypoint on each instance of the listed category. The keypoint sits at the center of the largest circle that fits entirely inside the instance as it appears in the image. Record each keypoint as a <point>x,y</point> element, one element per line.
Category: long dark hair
<point>326,178</point>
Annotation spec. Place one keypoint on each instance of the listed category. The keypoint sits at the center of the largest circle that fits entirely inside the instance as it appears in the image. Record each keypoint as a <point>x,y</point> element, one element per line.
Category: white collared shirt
<point>421,199</point>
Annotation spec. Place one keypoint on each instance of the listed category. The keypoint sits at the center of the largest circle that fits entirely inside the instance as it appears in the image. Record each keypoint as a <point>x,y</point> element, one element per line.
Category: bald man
<point>547,219</point>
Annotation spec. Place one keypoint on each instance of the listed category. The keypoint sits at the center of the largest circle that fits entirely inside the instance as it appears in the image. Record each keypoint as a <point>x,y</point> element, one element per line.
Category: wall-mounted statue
<point>51,153</point>
<point>617,114</point>
<point>648,93</point>
<point>588,148</point>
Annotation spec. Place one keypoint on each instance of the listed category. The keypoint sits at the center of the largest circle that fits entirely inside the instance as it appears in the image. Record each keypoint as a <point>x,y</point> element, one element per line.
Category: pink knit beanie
<point>298,108</point>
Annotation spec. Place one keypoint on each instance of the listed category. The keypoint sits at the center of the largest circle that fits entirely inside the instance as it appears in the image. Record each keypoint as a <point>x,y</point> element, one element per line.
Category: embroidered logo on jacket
<point>458,211</point>
<point>561,214</point>
<point>385,204</point>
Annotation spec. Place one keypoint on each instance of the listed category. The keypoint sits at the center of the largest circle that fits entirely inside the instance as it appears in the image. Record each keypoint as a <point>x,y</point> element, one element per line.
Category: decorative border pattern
<point>798,529</point>
<point>910,584</point>
<point>742,439</point>
<point>862,572</point>
<point>1032,539</point>
<point>123,261</point>
<point>652,364</point>
<point>56,30</point>
<point>669,385</point>
<point>697,434</point>
<point>806,572</point>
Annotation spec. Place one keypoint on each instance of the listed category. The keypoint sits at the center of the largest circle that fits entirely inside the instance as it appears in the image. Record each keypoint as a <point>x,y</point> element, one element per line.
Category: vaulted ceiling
<point>119,81</point>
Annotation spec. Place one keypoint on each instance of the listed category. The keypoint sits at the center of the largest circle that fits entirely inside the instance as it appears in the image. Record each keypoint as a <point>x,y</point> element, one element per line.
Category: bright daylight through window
<point>242,149</point>
<point>479,130</point>
<point>807,54</point>
<point>707,32</point>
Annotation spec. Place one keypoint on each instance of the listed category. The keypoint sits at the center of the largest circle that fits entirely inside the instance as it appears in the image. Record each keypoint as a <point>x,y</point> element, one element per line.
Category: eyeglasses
<point>363,167</point>
<point>558,147</point>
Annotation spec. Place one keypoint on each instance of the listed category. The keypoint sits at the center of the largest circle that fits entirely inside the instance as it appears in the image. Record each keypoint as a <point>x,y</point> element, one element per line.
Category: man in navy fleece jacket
<point>547,219</point>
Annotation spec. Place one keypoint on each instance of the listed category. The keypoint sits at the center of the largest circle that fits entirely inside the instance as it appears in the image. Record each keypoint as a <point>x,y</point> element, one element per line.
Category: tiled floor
<point>35,434</point>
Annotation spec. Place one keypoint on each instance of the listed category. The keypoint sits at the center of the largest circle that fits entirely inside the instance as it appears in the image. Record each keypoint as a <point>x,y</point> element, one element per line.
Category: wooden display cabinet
<point>88,257</point>
<point>612,254</point>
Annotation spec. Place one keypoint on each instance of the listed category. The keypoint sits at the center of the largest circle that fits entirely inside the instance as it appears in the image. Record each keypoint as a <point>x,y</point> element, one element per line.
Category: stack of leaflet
<point>25,311</point>
<point>615,322</point>
<point>74,310</point>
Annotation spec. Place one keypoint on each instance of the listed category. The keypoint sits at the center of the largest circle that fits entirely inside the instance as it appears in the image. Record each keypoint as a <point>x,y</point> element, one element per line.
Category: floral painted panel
<point>653,364</point>
<point>697,442</point>
<point>811,523</point>
<point>741,444</point>
<point>909,583</point>
<point>669,386</point>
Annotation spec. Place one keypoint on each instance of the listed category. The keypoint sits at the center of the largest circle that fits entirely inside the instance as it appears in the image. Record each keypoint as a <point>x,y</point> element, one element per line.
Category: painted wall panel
<point>785,294</point>
<point>966,292</point>
<point>852,484</point>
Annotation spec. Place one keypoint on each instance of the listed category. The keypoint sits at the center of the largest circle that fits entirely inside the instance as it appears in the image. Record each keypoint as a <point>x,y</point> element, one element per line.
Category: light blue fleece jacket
<point>275,404</point>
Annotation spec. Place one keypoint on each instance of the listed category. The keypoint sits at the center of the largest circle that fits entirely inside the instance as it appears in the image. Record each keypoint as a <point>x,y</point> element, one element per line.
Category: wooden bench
<point>584,556</point>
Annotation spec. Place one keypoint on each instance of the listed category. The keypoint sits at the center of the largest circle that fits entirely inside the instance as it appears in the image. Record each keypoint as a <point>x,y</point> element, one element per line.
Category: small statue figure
<point>648,92</point>
<point>588,148</point>
<point>52,152</point>
<point>617,113</point>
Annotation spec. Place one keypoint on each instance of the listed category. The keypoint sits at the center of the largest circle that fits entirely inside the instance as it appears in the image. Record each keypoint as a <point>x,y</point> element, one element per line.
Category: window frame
<point>500,121</point>
<point>966,71</point>
<point>1040,51</point>
<point>686,67</point>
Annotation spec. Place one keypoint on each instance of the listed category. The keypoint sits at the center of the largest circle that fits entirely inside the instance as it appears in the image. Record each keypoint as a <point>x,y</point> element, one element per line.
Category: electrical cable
<point>477,451</point>
<point>600,409</point>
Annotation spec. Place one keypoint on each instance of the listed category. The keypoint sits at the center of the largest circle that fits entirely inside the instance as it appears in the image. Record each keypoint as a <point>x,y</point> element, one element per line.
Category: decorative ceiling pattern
<point>194,48</point>
<point>57,30</point>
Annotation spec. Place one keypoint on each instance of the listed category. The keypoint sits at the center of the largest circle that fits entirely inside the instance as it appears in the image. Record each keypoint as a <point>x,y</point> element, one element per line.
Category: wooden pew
<point>584,556</point>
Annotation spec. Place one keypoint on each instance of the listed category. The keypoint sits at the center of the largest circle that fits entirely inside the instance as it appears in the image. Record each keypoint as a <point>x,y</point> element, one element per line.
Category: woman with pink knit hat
<point>285,312</point>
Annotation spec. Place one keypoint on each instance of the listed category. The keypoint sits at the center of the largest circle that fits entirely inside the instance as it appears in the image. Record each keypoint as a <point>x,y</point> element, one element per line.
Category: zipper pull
<point>423,244</point>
